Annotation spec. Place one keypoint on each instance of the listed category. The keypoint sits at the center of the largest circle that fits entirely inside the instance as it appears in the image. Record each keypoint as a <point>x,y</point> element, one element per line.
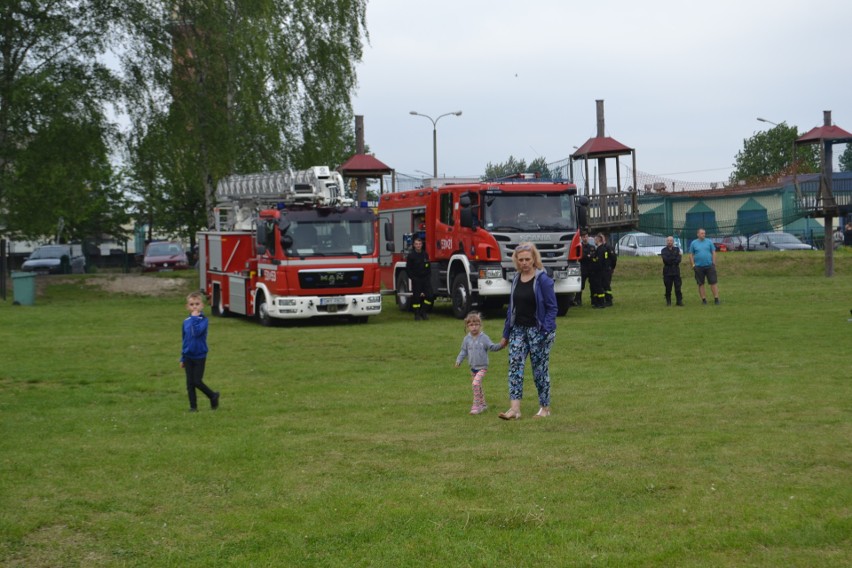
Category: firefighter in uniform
<point>611,260</point>
<point>420,272</point>
<point>585,265</point>
<point>600,263</point>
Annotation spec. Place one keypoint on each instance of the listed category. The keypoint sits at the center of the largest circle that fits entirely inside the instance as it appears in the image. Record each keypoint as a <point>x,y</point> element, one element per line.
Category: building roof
<point>828,133</point>
<point>364,165</point>
<point>601,147</point>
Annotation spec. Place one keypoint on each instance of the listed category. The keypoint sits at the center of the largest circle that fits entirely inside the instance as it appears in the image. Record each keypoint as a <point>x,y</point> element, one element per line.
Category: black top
<point>588,253</point>
<point>601,261</point>
<point>671,261</point>
<point>523,299</point>
<point>417,264</point>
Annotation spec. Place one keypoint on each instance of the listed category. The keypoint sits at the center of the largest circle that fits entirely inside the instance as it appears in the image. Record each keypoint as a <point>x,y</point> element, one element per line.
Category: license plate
<point>335,301</point>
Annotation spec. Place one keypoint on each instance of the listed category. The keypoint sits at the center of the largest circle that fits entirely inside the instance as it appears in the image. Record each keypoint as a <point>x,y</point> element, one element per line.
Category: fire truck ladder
<point>314,186</point>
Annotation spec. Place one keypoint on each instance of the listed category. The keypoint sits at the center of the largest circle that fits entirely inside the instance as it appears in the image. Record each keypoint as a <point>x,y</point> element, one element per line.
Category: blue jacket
<point>194,338</point>
<point>545,303</point>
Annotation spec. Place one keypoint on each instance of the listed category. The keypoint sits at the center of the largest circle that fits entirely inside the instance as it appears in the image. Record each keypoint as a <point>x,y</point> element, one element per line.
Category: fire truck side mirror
<point>466,211</point>
<point>583,211</point>
<point>466,218</point>
<point>389,236</point>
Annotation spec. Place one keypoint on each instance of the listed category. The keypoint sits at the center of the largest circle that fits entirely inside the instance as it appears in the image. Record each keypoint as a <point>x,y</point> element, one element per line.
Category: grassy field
<point>696,436</point>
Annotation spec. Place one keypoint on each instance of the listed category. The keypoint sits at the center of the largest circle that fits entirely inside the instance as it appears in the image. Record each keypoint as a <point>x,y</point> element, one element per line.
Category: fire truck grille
<point>312,280</point>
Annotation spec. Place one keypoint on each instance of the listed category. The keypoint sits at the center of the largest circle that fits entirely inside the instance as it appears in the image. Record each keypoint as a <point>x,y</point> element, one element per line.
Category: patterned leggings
<point>476,378</point>
<point>524,341</point>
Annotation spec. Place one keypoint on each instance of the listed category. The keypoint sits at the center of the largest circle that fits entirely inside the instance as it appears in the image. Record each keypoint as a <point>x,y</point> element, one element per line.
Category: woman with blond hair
<point>530,329</point>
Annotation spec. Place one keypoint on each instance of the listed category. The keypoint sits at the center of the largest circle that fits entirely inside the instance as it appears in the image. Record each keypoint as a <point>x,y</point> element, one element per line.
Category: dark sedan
<point>776,241</point>
<point>163,256</point>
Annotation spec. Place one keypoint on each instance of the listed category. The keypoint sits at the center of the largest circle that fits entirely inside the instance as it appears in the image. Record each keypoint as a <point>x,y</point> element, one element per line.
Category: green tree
<point>539,167</point>
<point>770,153</point>
<point>513,166</point>
<point>55,138</point>
<point>231,86</point>
<point>845,159</point>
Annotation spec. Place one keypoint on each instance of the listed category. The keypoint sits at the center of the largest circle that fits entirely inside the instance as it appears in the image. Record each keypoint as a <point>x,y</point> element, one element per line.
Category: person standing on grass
<point>671,271</point>
<point>475,347</point>
<point>702,254</point>
<point>193,355</point>
<point>611,260</point>
<point>530,329</point>
<point>585,265</point>
<point>600,273</point>
<point>420,271</point>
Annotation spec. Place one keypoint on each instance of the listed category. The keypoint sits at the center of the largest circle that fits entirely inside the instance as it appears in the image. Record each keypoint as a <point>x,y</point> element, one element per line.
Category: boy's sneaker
<point>214,402</point>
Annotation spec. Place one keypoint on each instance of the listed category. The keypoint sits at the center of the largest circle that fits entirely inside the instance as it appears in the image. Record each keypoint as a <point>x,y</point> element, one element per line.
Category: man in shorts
<point>702,253</point>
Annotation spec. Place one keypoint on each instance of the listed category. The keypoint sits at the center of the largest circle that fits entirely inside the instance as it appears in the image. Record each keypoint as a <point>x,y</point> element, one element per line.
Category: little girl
<point>475,346</point>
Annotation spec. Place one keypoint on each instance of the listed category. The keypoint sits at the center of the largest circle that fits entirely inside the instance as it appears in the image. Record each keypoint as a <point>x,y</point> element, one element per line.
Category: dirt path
<point>137,284</point>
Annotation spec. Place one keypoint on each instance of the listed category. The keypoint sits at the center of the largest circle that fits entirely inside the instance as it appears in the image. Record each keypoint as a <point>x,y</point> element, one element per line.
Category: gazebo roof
<point>364,165</point>
<point>601,147</point>
<point>828,133</point>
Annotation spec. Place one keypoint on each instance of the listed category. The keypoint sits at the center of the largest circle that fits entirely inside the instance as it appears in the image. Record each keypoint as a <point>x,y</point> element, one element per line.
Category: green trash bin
<point>23,288</point>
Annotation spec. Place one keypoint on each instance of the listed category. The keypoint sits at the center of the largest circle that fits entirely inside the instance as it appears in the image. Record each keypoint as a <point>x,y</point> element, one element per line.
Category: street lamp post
<point>435,136</point>
<point>768,121</point>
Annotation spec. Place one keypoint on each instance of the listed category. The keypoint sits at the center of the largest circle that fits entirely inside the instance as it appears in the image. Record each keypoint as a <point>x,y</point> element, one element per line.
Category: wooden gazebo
<point>362,167</point>
<point>826,205</point>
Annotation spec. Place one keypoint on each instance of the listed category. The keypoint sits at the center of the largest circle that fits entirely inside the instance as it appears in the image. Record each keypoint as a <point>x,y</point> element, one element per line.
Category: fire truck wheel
<point>403,293</point>
<point>563,302</point>
<point>461,296</point>
<point>217,305</point>
<point>263,311</point>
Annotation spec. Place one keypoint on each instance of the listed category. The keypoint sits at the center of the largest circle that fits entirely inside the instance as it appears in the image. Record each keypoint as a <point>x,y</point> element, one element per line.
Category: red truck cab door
<point>445,239</point>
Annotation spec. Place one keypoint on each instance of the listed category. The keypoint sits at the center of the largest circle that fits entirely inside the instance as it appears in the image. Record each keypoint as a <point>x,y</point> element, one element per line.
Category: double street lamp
<point>435,136</point>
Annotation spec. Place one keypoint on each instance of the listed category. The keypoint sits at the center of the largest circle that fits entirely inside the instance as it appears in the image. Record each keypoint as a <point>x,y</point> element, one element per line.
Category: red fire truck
<point>470,231</point>
<point>284,248</point>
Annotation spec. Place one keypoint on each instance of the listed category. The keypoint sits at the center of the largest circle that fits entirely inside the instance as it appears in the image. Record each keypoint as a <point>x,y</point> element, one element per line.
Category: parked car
<point>720,246</point>
<point>163,256</point>
<point>735,242</point>
<point>56,259</point>
<point>640,244</point>
<point>776,241</point>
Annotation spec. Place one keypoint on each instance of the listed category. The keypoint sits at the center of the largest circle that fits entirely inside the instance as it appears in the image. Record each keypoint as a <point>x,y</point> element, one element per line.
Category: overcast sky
<point>682,82</point>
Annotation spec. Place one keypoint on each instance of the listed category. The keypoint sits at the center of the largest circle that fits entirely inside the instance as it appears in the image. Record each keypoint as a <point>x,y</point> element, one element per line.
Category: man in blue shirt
<point>702,253</point>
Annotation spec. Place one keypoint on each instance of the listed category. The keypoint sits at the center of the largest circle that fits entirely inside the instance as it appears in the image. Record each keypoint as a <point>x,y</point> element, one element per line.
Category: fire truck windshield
<point>529,212</point>
<point>330,237</point>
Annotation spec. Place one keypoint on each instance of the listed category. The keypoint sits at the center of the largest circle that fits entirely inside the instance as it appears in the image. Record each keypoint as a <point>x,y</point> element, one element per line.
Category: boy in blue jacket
<point>193,356</point>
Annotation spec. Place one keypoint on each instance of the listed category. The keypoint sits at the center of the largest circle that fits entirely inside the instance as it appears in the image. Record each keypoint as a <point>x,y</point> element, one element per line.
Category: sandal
<point>542,413</point>
<point>510,415</point>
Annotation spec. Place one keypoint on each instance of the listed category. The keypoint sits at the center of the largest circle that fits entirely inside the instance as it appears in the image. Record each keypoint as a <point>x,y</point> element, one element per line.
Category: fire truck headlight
<point>560,274</point>
<point>374,299</point>
<point>490,273</point>
<point>573,271</point>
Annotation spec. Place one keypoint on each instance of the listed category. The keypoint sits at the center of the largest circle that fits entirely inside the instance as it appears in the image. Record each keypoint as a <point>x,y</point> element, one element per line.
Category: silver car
<point>640,244</point>
<point>56,259</point>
